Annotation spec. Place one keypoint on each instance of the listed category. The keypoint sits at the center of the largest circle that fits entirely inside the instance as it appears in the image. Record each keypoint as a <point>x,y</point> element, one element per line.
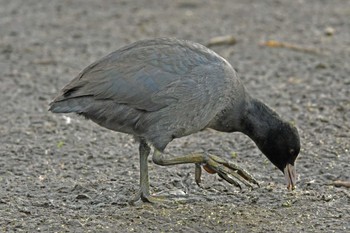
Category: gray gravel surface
<point>61,173</point>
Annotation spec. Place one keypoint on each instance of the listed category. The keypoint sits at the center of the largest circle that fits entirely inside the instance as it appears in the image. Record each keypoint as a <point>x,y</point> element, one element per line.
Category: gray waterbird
<point>161,89</point>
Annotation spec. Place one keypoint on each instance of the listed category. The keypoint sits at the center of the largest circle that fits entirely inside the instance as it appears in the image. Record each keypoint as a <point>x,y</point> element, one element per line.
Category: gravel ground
<point>65,174</point>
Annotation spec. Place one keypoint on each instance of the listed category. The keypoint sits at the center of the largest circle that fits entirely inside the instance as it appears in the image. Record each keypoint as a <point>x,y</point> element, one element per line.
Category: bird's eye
<point>291,151</point>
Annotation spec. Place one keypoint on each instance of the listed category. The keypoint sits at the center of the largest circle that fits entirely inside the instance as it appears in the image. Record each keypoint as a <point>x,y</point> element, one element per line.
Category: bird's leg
<point>144,194</point>
<point>213,164</point>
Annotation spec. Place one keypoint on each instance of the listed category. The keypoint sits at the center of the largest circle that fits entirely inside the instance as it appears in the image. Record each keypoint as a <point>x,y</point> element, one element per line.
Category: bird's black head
<point>281,146</point>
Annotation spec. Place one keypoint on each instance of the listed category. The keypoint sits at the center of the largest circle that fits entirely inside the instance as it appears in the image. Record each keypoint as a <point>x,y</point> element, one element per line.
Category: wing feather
<point>139,74</point>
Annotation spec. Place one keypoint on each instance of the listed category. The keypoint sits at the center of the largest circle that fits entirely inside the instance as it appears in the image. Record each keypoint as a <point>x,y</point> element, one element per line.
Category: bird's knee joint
<point>158,159</point>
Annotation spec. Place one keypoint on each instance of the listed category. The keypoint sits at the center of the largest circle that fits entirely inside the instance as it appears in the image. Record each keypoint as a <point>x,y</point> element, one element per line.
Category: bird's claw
<point>227,170</point>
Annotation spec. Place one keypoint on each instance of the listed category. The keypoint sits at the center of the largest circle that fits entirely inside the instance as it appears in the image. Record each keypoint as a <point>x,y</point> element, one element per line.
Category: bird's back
<point>157,89</point>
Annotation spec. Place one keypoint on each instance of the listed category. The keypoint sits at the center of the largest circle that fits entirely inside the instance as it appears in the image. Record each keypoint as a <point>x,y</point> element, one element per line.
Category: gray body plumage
<point>157,90</point>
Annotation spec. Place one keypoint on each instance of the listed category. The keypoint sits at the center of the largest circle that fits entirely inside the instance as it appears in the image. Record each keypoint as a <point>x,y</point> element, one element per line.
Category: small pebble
<point>329,31</point>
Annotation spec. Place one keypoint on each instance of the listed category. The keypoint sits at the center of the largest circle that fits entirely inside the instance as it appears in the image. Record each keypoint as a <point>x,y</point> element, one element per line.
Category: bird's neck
<point>249,116</point>
<point>257,121</point>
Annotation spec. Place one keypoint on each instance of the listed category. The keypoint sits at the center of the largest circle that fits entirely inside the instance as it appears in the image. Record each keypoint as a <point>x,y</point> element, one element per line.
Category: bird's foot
<point>146,197</point>
<point>227,170</point>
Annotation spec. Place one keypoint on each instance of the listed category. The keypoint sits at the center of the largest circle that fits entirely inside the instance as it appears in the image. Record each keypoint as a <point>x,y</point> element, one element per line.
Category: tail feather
<point>77,105</point>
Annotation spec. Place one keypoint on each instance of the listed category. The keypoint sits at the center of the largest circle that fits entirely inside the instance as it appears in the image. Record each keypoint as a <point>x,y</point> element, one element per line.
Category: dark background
<point>62,173</point>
